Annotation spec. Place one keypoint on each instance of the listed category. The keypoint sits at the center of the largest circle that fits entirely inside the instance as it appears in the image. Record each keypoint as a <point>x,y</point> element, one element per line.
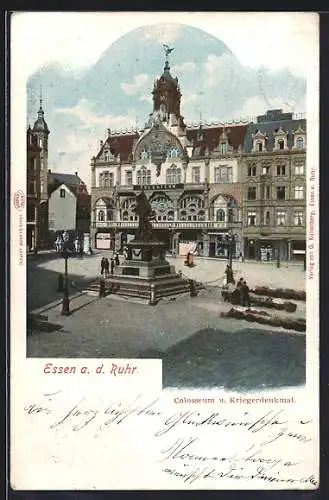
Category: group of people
<point>107,265</point>
<point>240,295</point>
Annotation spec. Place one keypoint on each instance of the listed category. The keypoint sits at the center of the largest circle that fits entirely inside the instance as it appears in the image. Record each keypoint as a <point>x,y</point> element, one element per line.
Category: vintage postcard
<point>164,251</point>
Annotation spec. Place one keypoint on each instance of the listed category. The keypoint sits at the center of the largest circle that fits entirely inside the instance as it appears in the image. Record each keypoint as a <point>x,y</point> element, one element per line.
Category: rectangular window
<point>268,192</point>
<point>281,192</point>
<point>281,218</point>
<point>267,218</point>
<point>62,193</point>
<point>280,170</point>
<point>251,218</point>
<point>299,192</point>
<point>251,193</point>
<point>299,167</point>
<point>299,218</point>
<point>252,171</point>
<point>223,148</point>
<point>196,174</point>
<point>129,178</point>
<point>108,179</point>
<point>266,170</point>
<point>223,174</point>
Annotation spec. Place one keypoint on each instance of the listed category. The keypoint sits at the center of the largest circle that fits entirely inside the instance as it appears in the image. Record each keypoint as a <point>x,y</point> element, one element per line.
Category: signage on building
<point>157,187</point>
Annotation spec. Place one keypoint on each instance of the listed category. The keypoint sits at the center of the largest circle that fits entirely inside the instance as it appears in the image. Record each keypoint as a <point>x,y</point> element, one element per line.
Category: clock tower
<point>166,95</point>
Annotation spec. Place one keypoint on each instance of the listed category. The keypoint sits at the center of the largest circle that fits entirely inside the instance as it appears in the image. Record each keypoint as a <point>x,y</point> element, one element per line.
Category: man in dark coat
<point>117,260</point>
<point>106,266</point>
<point>112,266</point>
<point>102,265</point>
<point>245,294</point>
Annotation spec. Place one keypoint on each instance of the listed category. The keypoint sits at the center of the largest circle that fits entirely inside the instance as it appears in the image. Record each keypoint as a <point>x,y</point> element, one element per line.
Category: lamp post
<point>230,240</point>
<point>66,301</point>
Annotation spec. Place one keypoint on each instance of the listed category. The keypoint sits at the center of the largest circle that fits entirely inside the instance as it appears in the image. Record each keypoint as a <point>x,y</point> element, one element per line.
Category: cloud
<point>140,82</point>
<point>83,111</point>
<point>185,67</point>
<point>146,98</point>
<point>163,33</point>
<point>213,68</point>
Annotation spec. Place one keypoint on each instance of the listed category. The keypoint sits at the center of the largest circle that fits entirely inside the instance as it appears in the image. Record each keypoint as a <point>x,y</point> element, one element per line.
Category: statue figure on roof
<point>167,50</point>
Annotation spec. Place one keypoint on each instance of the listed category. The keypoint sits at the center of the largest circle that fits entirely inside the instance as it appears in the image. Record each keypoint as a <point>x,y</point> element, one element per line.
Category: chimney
<point>49,170</point>
<point>109,132</point>
<point>76,173</point>
<point>101,143</point>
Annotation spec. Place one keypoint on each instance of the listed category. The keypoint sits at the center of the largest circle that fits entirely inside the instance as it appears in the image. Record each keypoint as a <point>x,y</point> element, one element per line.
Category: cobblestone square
<point>196,345</point>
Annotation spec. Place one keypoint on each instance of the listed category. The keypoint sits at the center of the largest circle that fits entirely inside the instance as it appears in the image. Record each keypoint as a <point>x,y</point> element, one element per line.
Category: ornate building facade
<point>274,194</point>
<point>190,175</point>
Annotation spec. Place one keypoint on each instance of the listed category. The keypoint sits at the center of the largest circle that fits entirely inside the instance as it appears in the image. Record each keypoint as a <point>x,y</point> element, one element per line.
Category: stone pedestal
<point>146,274</point>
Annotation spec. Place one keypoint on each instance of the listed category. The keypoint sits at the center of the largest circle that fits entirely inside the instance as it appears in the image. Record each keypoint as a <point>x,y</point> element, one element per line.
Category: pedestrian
<point>229,275</point>
<point>112,266</point>
<point>106,266</point>
<point>245,294</point>
<point>102,265</point>
<point>81,251</point>
<point>117,260</point>
<point>240,257</point>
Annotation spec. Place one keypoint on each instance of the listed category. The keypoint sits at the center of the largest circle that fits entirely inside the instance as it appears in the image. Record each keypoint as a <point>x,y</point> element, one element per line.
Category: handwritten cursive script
<point>183,437</point>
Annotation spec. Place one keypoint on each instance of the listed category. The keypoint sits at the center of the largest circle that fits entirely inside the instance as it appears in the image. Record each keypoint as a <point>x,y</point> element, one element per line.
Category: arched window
<point>192,207</point>
<point>299,142</point>
<point>259,146</point>
<point>230,215</point>
<point>101,216</point>
<point>220,215</point>
<point>109,215</point>
<point>173,175</point>
<point>144,155</point>
<point>125,215</point>
<point>281,143</point>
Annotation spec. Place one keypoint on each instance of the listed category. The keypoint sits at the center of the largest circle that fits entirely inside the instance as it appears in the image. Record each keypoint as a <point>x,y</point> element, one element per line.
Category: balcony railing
<point>170,225</point>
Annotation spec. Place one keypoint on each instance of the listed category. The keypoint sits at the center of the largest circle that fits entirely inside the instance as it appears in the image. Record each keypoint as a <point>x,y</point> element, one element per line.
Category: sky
<point>279,39</point>
<point>281,42</point>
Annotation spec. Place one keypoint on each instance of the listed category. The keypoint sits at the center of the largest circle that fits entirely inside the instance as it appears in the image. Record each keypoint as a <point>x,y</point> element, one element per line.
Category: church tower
<point>167,95</point>
<point>41,130</point>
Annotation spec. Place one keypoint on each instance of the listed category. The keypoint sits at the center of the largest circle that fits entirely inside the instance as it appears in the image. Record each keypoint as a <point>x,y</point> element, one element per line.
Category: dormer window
<point>223,148</point>
<point>300,143</point>
<point>299,138</point>
<point>259,142</point>
<point>280,139</point>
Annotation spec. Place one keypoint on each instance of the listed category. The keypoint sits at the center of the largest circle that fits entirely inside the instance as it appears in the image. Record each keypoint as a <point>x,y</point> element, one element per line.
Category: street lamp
<point>66,301</point>
<point>230,240</point>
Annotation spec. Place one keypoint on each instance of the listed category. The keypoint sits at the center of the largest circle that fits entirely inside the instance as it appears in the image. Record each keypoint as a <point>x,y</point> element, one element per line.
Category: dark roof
<point>70,180</point>
<point>120,144</point>
<point>211,136</point>
<point>269,128</point>
<point>40,125</point>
